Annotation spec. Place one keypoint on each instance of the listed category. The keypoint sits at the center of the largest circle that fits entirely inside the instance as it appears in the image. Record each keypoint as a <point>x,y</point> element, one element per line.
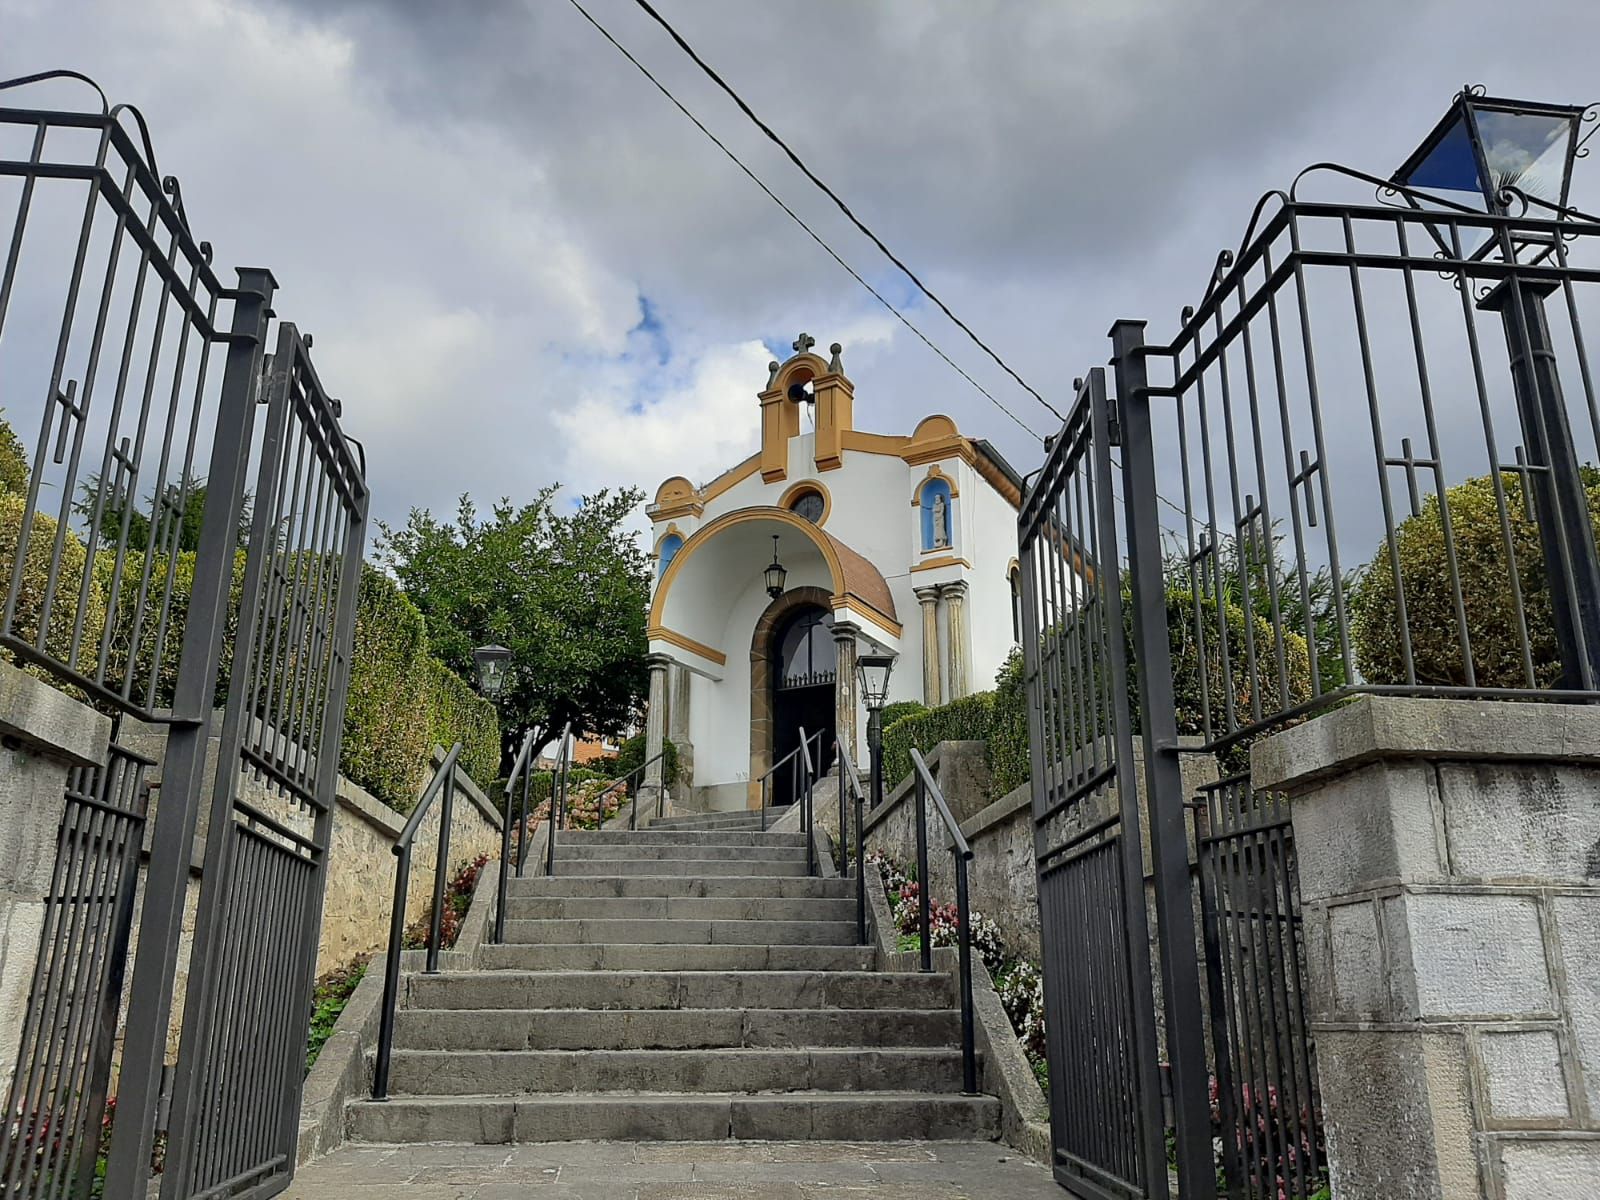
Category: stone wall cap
<point>49,721</point>
<point>1373,728</point>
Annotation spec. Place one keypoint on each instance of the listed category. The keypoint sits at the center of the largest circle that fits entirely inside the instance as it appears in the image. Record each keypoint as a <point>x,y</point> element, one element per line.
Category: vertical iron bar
<point>1180,973</point>
<point>441,868</point>
<point>183,770</point>
<point>861,874</point>
<point>391,974</point>
<point>969,1054</point>
<point>924,924</point>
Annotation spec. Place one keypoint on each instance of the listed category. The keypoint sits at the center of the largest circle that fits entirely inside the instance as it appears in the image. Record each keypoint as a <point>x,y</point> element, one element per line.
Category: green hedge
<point>403,702</point>
<point>1486,594</point>
<point>901,709</point>
<point>1008,732</point>
<point>966,719</point>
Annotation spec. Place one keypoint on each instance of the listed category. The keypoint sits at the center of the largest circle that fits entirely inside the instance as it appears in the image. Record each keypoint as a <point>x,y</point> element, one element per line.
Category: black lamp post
<point>492,663</point>
<point>776,574</point>
<point>1492,155</point>
<point>872,676</point>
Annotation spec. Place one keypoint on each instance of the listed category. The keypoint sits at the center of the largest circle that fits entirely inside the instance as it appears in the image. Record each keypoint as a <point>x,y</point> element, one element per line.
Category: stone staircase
<point>688,983</point>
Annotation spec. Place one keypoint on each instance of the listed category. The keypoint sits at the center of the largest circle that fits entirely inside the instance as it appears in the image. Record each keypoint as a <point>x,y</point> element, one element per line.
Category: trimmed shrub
<point>631,757</point>
<point>460,714</point>
<point>1009,765</point>
<point>901,708</point>
<point>13,460</point>
<point>403,702</point>
<point>35,576</point>
<point>1486,593</point>
<point>966,719</point>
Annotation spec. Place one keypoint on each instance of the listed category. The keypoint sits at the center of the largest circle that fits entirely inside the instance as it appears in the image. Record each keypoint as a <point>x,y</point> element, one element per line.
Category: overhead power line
<point>812,233</point>
<point>772,136</point>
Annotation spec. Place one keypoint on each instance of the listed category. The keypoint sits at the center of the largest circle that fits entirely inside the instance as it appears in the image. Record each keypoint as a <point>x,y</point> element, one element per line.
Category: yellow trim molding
<point>842,595</point>
<point>659,633</point>
<point>886,623</point>
<point>933,564</point>
<point>933,473</point>
<point>794,491</point>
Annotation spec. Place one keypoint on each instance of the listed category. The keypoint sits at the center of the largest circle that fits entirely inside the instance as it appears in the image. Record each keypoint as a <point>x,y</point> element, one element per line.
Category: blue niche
<point>670,545</point>
<point>938,520</point>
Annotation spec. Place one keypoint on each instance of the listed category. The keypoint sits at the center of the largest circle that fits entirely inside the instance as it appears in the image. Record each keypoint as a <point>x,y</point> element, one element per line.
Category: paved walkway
<point>678,1171</point>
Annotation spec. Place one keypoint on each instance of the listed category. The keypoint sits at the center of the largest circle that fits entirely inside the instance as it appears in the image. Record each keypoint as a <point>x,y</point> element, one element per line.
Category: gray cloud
<point>469,204</point>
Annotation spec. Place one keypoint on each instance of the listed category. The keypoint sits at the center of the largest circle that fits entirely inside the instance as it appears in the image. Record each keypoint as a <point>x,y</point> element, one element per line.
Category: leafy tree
<point>13,460</point>
<point>566,589</point>
<point>187,532</point>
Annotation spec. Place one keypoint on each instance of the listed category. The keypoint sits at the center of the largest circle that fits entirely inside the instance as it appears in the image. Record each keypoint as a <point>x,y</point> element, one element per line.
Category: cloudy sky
<point>522,265</point>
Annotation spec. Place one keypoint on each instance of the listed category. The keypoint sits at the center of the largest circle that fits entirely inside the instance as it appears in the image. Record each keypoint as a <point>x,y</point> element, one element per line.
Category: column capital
<point>927,595</point>
<point>846,631</point>
<point>658,662</point>
<point>955,590</point>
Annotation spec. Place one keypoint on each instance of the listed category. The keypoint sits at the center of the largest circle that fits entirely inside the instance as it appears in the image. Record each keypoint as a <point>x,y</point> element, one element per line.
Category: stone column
<point>655,732</point>
<point>678,679</point>
<point>955,600</point>
<point>1450,885</point>
<point>844,694</point>
<point>928,597</point>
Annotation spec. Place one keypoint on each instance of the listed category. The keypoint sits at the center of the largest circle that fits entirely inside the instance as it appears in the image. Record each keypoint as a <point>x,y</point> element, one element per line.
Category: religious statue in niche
<point>941,522</point>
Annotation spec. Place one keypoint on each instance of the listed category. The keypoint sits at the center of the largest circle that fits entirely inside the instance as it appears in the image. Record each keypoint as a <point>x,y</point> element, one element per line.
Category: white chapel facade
<point>897,542</point>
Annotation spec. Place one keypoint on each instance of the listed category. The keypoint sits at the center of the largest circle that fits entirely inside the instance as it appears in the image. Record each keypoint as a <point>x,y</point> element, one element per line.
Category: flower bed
<point>457,899</point>
<point>1016,979</point>
<point>590,804</point>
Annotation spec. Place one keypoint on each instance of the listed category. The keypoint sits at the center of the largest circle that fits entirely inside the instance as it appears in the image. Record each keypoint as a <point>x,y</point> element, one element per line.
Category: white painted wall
<point>870,511</point>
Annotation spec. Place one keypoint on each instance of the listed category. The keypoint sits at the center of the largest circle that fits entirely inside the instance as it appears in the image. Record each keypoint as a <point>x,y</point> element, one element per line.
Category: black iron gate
<point>168,551</point>
<point>1105,1095</point>
<point>1369,463</point>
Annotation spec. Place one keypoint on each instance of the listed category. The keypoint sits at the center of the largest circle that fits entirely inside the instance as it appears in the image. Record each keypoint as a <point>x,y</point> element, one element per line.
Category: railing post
<point>183,772</point>
<point>861,872</point>
<point>969,1055</point>
<point>505,857</point>
<point>391,974</point>
<point>522,815</point>
<point>844,823</point>
<point>765,787</point>
<point>1164,799</point>
<point>441,871</point>
<point>924,922</point>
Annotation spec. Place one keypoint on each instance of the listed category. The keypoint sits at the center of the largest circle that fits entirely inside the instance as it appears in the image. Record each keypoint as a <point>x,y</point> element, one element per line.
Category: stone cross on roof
<point>803,343</point>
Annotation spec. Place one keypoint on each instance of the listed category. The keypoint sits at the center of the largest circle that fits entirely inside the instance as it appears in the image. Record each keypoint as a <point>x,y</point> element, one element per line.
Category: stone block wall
<point>43,734</point>
<point>1449,858</point>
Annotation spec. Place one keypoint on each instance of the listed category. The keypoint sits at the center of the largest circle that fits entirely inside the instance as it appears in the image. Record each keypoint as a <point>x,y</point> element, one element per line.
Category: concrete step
<point>646,931</point>
<point>567,851</point>
<point>702,908</point>
<point>679,990</point>
<point>785,1116</point>
<point>678,837</point>
<point>545,1072</point>
<point>698,867</point>
<point>573,957</point>
<point>785,887</point>
<point>672,1028</point>
<point>713,820</point>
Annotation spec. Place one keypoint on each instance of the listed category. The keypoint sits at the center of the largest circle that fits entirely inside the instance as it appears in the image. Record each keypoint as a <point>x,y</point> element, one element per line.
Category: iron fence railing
<point>189,531</point>
<point>853,800</point>
<point>50,1135</point>
<point>927,790</point>
<point>441,788</point>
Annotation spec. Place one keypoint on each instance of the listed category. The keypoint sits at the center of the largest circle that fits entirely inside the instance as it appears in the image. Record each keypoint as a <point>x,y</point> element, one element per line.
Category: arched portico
<point>711,609</point>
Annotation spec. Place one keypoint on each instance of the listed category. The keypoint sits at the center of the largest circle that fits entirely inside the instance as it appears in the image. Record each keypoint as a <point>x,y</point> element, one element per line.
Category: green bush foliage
<point>13,460</point>
<point>631,756</point>
<point>966,719</point>
<point>403,702</point>
<point>35,577</point>
<point>1008,731</point>
<point>899,709</point>
<point>1486,593</point>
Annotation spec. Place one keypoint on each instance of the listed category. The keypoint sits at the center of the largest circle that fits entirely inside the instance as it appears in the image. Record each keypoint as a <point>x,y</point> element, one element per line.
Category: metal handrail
<point>766,775</point>
<point>633,813</point>
<point>520,771</point>
<point>558,798</point>
<point>926,787</point>
<point>849,779</point>
<point>443,782</point>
